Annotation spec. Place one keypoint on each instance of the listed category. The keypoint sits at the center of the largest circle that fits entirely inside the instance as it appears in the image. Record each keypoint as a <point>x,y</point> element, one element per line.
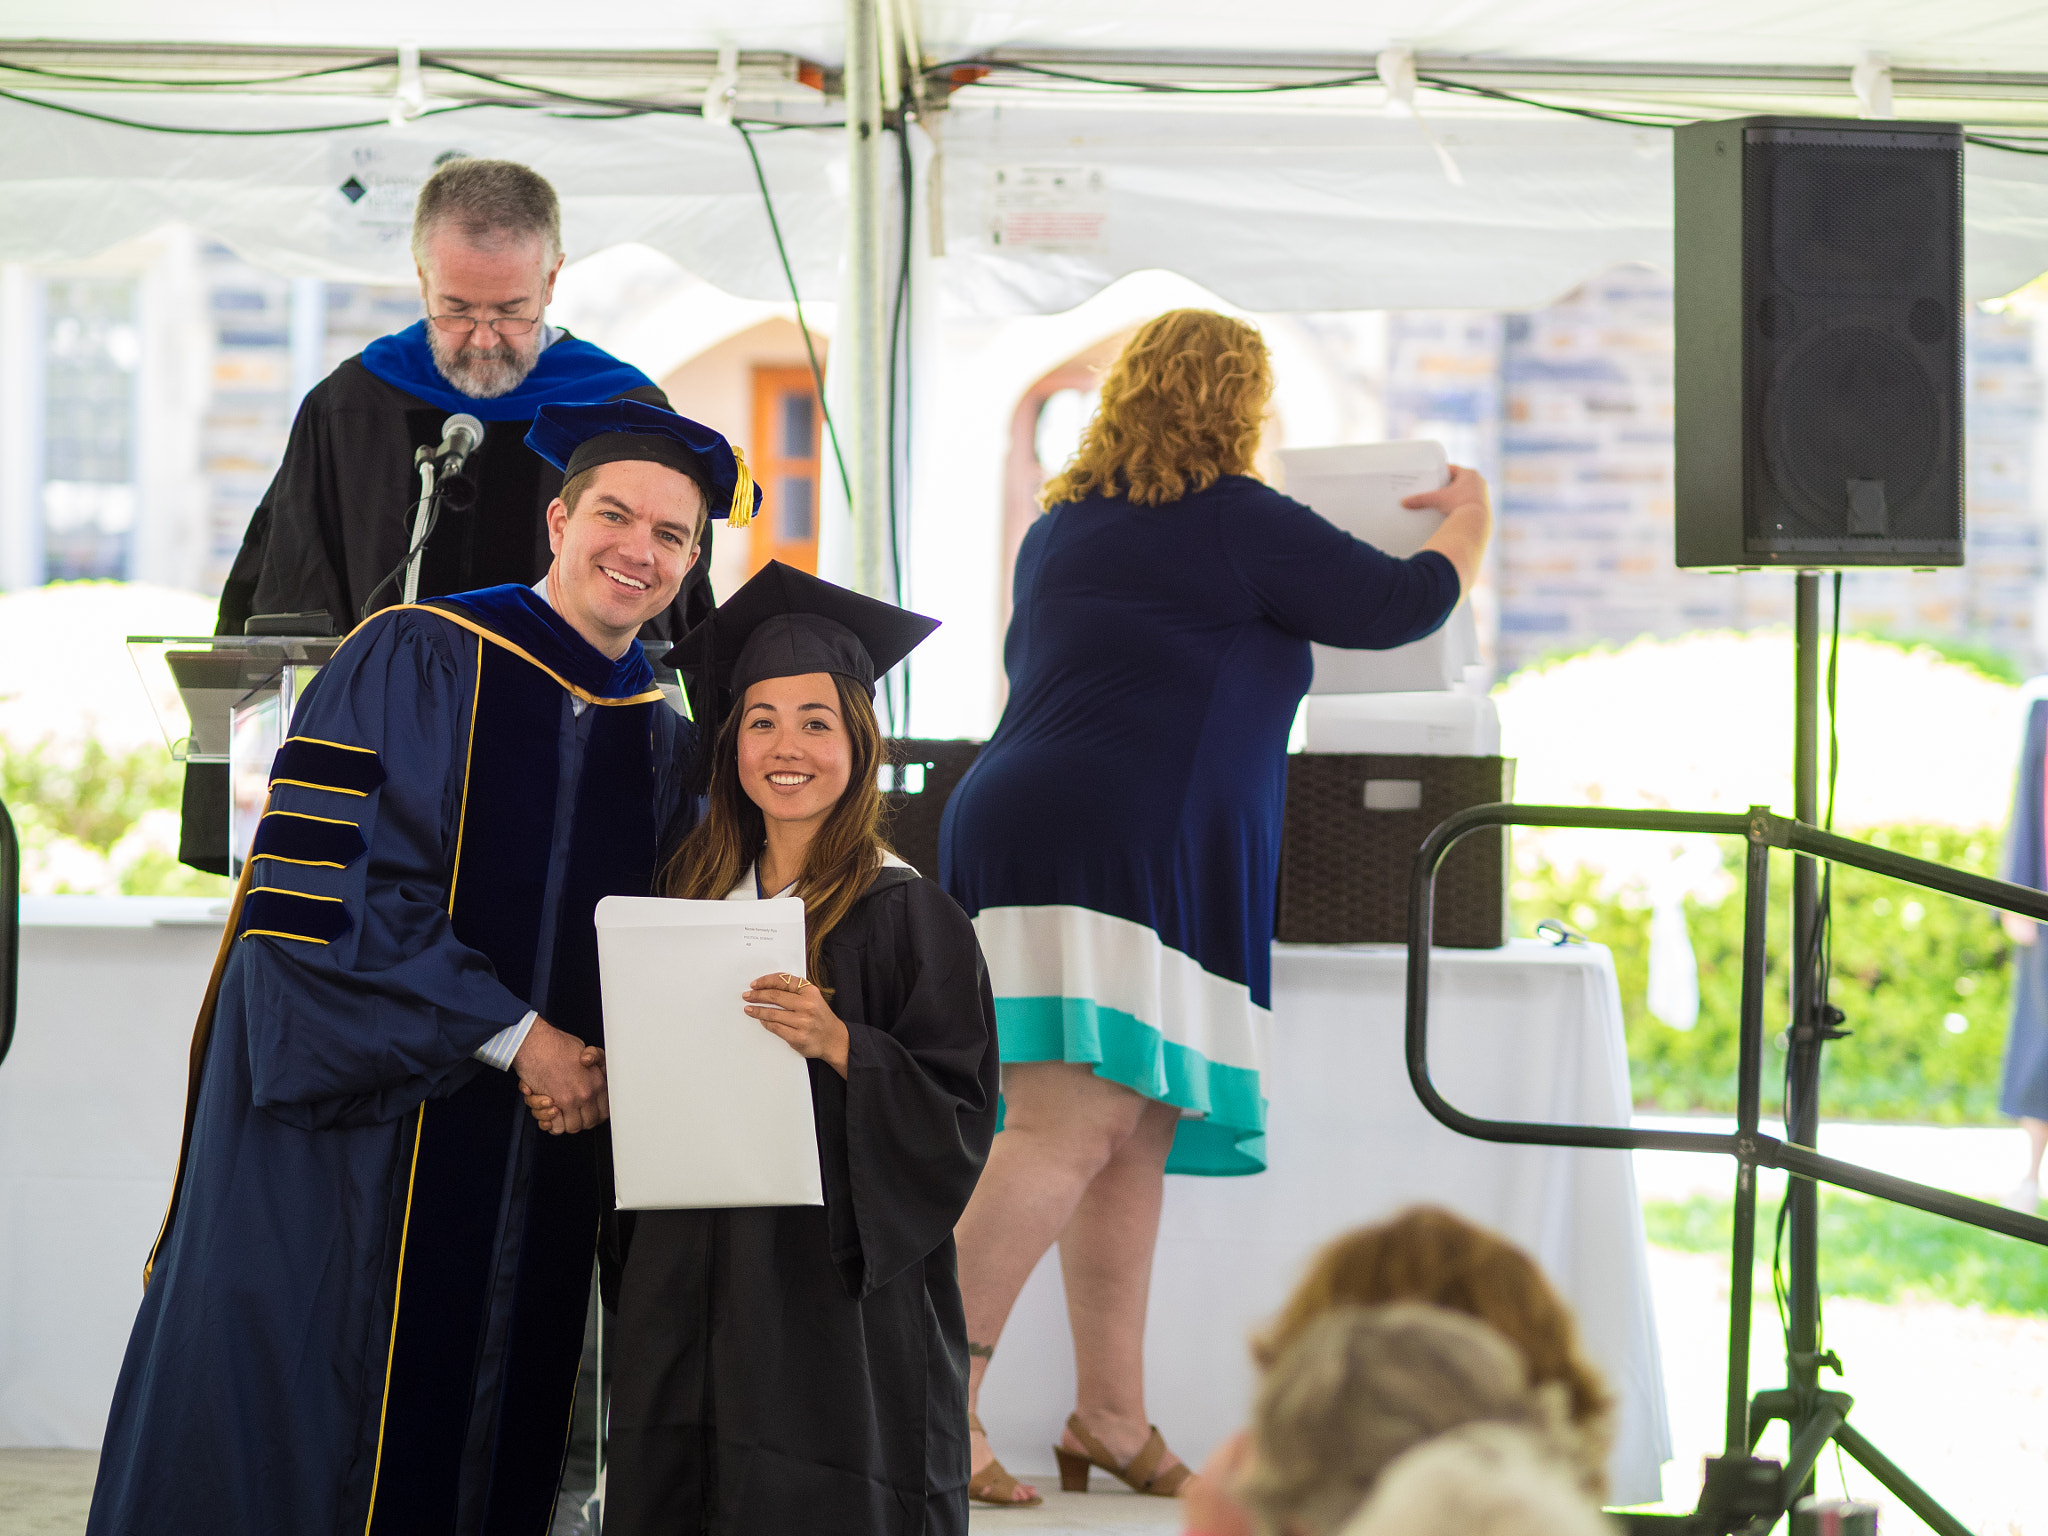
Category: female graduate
<point>795,1368</point>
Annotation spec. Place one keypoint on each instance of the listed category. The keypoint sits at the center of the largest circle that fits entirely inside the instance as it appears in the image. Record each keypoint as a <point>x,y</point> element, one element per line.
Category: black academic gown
<point>337,517</point>
<point>800,1369</point>
<point>365,1311</point>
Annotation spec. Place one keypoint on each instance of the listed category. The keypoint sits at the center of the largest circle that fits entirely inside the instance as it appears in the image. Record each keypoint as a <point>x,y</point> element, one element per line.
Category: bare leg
<point>2037,1143</point>
<point>1061,1126</point>
<point>1106,1261</point>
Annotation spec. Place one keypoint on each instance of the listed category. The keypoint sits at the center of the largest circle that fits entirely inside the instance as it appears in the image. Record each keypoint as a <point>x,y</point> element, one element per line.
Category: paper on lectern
<point>708,1107</point>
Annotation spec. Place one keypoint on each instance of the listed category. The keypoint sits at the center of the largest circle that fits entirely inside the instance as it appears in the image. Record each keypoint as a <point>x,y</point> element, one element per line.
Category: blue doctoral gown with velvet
<point>365,1311</point>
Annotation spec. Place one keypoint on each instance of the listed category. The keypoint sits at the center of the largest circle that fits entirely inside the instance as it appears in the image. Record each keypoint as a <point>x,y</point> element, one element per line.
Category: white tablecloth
<point>92,1101</point>
<point>1527,1032</point>
<point>92,1096</point>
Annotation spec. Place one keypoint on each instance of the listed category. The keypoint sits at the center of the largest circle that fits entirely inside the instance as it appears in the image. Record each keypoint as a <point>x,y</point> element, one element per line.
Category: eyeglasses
<point>462,325</point>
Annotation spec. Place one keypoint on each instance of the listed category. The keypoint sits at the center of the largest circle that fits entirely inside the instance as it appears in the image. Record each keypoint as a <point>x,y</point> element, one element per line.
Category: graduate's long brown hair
<point>842,858</point>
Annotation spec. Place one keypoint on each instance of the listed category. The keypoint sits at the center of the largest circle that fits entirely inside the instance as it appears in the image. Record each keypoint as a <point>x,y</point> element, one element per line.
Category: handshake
<point>562,1080</point>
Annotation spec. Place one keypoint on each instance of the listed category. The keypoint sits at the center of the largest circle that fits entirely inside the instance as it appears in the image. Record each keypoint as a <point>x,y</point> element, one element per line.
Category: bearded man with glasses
<point>331,536</point>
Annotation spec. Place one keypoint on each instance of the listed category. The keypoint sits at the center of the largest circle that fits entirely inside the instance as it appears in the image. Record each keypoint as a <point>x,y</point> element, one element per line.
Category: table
<point>1526,1032</point>
<point>92,1105</point>
<point>92,1098</point>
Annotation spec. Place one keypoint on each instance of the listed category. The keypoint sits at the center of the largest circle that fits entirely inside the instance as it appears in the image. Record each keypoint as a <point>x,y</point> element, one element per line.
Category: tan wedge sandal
<point>993,1485</point>
<point>1140,1474</point>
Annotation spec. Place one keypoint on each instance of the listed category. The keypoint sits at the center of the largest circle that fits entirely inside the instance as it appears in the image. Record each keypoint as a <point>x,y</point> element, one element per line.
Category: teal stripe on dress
<point>1123,1048</point>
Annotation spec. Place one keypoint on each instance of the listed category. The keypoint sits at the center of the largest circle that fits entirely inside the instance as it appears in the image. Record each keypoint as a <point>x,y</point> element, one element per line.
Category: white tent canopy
<point>1302,200</point>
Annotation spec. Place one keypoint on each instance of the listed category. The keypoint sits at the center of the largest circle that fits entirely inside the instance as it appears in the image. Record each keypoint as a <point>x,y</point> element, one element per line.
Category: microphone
<point>460,435</point>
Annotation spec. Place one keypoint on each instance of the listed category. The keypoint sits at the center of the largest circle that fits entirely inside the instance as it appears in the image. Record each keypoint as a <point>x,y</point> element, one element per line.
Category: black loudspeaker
<point>1819,369</point>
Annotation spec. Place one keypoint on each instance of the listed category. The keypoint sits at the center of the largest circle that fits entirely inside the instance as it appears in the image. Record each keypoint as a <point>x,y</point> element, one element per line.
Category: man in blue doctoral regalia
<point>365,1309</point>
<point>330,532</point>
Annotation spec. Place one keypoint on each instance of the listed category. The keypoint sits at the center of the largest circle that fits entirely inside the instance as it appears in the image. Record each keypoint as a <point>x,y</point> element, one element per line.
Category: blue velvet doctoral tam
<point>365,1311</point>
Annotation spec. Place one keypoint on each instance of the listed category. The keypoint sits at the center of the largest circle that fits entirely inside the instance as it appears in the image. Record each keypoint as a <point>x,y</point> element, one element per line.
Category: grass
<point>1877,1251</point>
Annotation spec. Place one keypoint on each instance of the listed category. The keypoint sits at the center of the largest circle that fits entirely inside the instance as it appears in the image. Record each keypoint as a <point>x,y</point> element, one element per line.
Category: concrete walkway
<point>45,1493</point>
<point>1100,1512</point>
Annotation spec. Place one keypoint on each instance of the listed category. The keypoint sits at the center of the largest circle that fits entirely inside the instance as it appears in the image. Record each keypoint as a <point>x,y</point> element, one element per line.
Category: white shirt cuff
<point>499,1050</point>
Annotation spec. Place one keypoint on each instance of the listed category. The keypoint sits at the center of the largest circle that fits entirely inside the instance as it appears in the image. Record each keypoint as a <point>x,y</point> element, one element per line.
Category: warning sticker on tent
<point>1060,209</point>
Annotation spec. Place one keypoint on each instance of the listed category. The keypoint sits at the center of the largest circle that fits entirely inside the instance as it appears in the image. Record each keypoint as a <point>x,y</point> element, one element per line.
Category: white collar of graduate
<point>749,888</point>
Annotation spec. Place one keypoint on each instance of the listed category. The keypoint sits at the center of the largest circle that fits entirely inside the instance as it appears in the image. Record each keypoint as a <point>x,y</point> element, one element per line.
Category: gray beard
<point>482,374</point>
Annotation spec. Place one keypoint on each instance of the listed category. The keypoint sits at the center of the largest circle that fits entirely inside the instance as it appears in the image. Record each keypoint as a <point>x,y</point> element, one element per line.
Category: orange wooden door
<point>788,437</point>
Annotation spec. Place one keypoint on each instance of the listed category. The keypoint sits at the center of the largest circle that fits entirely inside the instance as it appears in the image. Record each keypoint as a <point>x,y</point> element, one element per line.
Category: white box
<point>1359,487</point>
<point>1418,724</point>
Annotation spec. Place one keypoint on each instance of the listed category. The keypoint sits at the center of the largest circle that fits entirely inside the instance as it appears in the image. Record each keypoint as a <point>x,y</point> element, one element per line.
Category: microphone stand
<point>422,523</point>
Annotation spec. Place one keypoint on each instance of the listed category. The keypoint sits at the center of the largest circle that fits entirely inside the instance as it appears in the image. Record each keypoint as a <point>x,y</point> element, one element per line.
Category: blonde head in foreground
<point>1427,1254</point>
<point>1359,1387</point>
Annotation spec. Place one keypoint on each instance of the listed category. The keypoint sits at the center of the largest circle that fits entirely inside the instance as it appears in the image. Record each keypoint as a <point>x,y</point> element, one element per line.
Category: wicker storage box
<point>917,783</point>
<point>1345,868</point>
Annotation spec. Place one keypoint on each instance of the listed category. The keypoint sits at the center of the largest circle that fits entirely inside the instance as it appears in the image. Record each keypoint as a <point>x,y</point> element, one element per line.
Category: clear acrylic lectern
<point>229,699</point>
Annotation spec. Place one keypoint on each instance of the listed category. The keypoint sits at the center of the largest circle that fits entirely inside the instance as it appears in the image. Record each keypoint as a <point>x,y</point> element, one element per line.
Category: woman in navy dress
<point>1118,839</point>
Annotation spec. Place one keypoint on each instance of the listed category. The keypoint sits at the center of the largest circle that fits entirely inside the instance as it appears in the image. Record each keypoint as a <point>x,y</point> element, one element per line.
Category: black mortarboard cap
<point>574,438</point>
<point>787,623</point>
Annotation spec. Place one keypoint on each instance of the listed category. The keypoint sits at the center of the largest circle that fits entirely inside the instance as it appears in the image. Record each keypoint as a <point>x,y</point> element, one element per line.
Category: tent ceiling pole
<point>1579,77</point>
<point>679,76</point>
<point>860,346</point>
<point>676,76</point>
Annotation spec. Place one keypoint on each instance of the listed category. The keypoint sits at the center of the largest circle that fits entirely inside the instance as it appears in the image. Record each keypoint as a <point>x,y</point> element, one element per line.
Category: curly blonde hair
<point>1182,406</point>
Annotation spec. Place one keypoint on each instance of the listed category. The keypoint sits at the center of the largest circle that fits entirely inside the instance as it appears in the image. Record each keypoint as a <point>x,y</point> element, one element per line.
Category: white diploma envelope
<point>1360,488</point>
<point>708,1107</point>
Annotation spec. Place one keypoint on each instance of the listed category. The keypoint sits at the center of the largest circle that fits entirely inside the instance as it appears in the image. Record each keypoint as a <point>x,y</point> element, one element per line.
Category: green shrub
<point>94,821</point>
<point>1907,965</point>
<point>1874,1250</point>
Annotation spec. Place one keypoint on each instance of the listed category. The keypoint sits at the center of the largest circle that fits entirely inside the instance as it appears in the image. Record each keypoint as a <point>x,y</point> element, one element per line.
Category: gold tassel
<point>742,510</point>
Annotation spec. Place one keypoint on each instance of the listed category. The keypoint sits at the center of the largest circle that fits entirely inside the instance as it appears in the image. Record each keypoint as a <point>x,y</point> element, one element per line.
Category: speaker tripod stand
<point>1744,1493</point>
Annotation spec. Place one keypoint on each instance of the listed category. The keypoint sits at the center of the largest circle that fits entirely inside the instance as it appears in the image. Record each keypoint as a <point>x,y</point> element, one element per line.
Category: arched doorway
<point>756,387</point>
<point>1047,423</point>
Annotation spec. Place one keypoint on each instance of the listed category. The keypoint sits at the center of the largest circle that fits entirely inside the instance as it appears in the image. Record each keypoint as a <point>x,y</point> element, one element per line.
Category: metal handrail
<point>10,926</point>
<point>1762,831</point>
<point>1740,1492</point>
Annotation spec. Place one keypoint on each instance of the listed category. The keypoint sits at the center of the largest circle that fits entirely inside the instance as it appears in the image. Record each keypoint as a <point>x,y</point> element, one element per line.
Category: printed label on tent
<point>1060,209</point>
<point>374,186</point>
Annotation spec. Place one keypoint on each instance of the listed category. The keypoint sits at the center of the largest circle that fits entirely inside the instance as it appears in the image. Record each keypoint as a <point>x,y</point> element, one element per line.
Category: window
<point>788,427</point>
<point>91,350</point>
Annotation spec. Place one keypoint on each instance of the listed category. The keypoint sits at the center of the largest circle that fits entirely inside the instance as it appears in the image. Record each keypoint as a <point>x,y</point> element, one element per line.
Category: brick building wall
<point>273,339</point>
<point>1580,454</point>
